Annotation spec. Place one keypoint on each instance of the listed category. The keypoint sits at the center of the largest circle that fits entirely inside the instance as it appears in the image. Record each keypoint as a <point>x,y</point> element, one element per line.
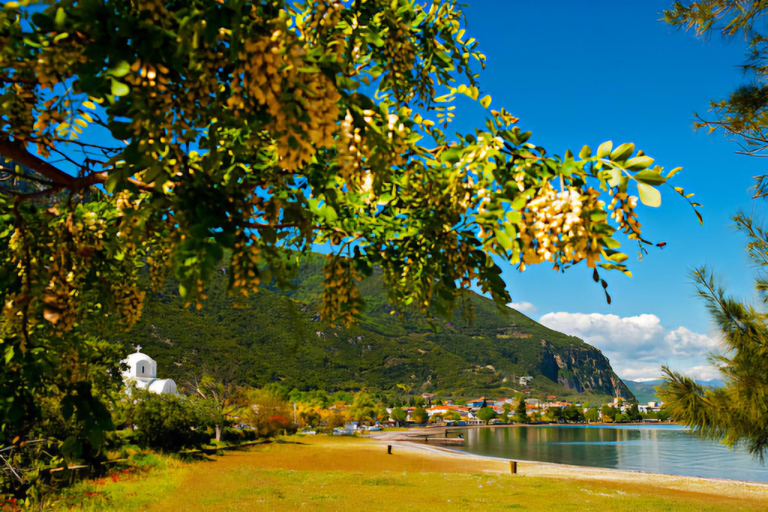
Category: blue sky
<point>583,73</point>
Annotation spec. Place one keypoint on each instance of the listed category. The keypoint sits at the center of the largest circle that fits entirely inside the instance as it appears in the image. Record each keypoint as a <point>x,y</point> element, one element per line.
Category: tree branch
<point>16,151</point>
<point>14,80</point>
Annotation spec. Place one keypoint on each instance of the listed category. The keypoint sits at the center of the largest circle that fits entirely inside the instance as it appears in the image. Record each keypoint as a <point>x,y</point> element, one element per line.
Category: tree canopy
<point>194,137</point>
<point>521,413</point>
<point>486,414</point>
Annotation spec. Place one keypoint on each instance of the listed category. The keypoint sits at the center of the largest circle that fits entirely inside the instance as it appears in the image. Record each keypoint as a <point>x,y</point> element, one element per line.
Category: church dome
<point>140,365</point>
<point>142,373</point>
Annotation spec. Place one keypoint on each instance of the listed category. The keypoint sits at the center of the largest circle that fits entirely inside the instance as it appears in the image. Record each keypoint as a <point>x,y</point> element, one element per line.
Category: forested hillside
<point>278,336</point>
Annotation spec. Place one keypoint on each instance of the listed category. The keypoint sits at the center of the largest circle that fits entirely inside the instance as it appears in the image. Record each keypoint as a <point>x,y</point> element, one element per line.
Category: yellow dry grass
<point>342,474</point>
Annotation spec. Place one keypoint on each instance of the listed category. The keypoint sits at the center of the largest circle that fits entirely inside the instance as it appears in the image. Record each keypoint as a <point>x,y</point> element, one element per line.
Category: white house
<point>142,371</point>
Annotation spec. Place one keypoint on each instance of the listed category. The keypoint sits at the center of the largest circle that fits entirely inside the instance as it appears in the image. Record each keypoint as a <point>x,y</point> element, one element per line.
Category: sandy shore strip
<point>723,487</point>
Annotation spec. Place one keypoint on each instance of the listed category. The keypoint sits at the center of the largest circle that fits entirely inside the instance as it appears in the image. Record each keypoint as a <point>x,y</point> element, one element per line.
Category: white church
<point>142,372</point>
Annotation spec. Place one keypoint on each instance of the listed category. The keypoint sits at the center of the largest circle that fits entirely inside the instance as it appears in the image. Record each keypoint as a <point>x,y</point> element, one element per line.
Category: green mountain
<point>644,391</point>
<point>278,336</point>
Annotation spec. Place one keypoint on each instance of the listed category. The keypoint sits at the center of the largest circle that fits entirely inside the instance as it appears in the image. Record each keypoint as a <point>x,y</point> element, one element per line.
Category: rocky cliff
<point>581,369</point>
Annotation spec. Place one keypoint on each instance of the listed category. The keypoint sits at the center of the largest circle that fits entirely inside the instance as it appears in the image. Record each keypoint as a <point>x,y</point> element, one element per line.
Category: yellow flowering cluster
<point>159,127</point>
<point>244,266</point>
<point>153,77</point>
<point>400,54</point>
<point>357,155</point>
<point>151,10</point>
<point>17,108</point>
<point>554,227</point>
<point>341,300</point>
<point>349,149</point>
<point>325,16</point>
<point>622,209</point>
<point>51,60</point>
<point>273,68</point>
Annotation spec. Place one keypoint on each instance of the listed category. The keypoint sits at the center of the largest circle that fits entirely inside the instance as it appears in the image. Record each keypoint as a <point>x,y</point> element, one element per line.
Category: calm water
<point>651,448</point>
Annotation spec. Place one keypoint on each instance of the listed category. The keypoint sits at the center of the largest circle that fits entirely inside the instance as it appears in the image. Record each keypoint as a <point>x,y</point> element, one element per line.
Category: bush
<point>269,414</point>
<point>170,422</point>
<point>238,435</point>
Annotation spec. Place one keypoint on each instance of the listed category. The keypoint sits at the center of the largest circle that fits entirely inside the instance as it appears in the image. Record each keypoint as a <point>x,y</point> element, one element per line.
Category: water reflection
<point>652,448</point>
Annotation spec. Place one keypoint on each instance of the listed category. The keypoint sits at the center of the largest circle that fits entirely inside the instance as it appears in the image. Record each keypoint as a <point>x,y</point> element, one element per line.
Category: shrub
<point>170,422</point>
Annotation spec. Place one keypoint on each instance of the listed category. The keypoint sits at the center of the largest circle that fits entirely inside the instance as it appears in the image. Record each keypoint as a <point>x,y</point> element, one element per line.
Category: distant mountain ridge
<point>644,390</point>
<point>275,336</point>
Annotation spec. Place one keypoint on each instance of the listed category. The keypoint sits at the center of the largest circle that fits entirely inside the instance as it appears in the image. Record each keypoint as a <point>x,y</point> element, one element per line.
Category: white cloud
<point>687,343</point>
<point>637,346</point>
<point>523,307</point>
<point>640,373</point>
<point>705,372</point>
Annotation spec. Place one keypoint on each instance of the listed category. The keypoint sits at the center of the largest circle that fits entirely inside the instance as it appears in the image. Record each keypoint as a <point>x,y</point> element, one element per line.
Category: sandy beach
<point>723,487</point>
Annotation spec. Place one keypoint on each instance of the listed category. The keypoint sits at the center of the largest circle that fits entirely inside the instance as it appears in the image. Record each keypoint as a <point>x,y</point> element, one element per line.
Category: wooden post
<point>513,467</point>
<point>389,449</point>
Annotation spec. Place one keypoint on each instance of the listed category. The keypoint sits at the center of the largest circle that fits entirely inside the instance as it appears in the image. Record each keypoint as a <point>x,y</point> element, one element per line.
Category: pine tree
<point>521,413</point>
<point>737,412</point>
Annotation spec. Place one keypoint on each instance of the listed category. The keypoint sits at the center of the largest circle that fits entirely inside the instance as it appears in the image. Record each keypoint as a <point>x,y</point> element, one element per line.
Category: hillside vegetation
<point>278,336</point>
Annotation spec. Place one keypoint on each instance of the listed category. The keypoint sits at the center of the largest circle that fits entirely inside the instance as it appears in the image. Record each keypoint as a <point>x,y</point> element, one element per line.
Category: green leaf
<point>329,213</point>
<point>503,239</point>
<point>615,177</point>
<point>650,177</point>
<point>622,152</point>
<point>585,152</point>
<point>451,155</point>
<point>119,88</point>
<point>648,195</point>
<point>674,171</point>
<point>59,19</point>
<point>514,217</point>
<point>618,257</point>
<point>120,70</point>
<point>486,101</point>
<point>112,180</point>
<point>605,149</point>
<point>373,37</point>
<point>637,163</point>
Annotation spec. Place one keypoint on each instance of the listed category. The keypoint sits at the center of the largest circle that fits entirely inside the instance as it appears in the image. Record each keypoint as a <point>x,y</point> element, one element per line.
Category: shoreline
<point>706,485</point>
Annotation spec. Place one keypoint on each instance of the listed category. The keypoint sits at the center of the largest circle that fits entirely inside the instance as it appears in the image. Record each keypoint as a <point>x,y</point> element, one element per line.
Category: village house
<point>557,405</point>
<point>478,403</point>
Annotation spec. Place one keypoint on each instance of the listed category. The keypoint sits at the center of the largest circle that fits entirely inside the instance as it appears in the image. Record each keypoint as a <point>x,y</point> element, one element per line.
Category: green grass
<point>352,475</point>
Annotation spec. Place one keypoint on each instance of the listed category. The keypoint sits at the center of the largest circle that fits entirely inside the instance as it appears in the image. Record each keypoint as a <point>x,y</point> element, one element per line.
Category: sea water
<point>668,449</point>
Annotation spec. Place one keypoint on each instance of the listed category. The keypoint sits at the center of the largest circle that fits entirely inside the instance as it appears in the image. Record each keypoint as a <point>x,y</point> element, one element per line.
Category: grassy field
<point>321,473</point>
